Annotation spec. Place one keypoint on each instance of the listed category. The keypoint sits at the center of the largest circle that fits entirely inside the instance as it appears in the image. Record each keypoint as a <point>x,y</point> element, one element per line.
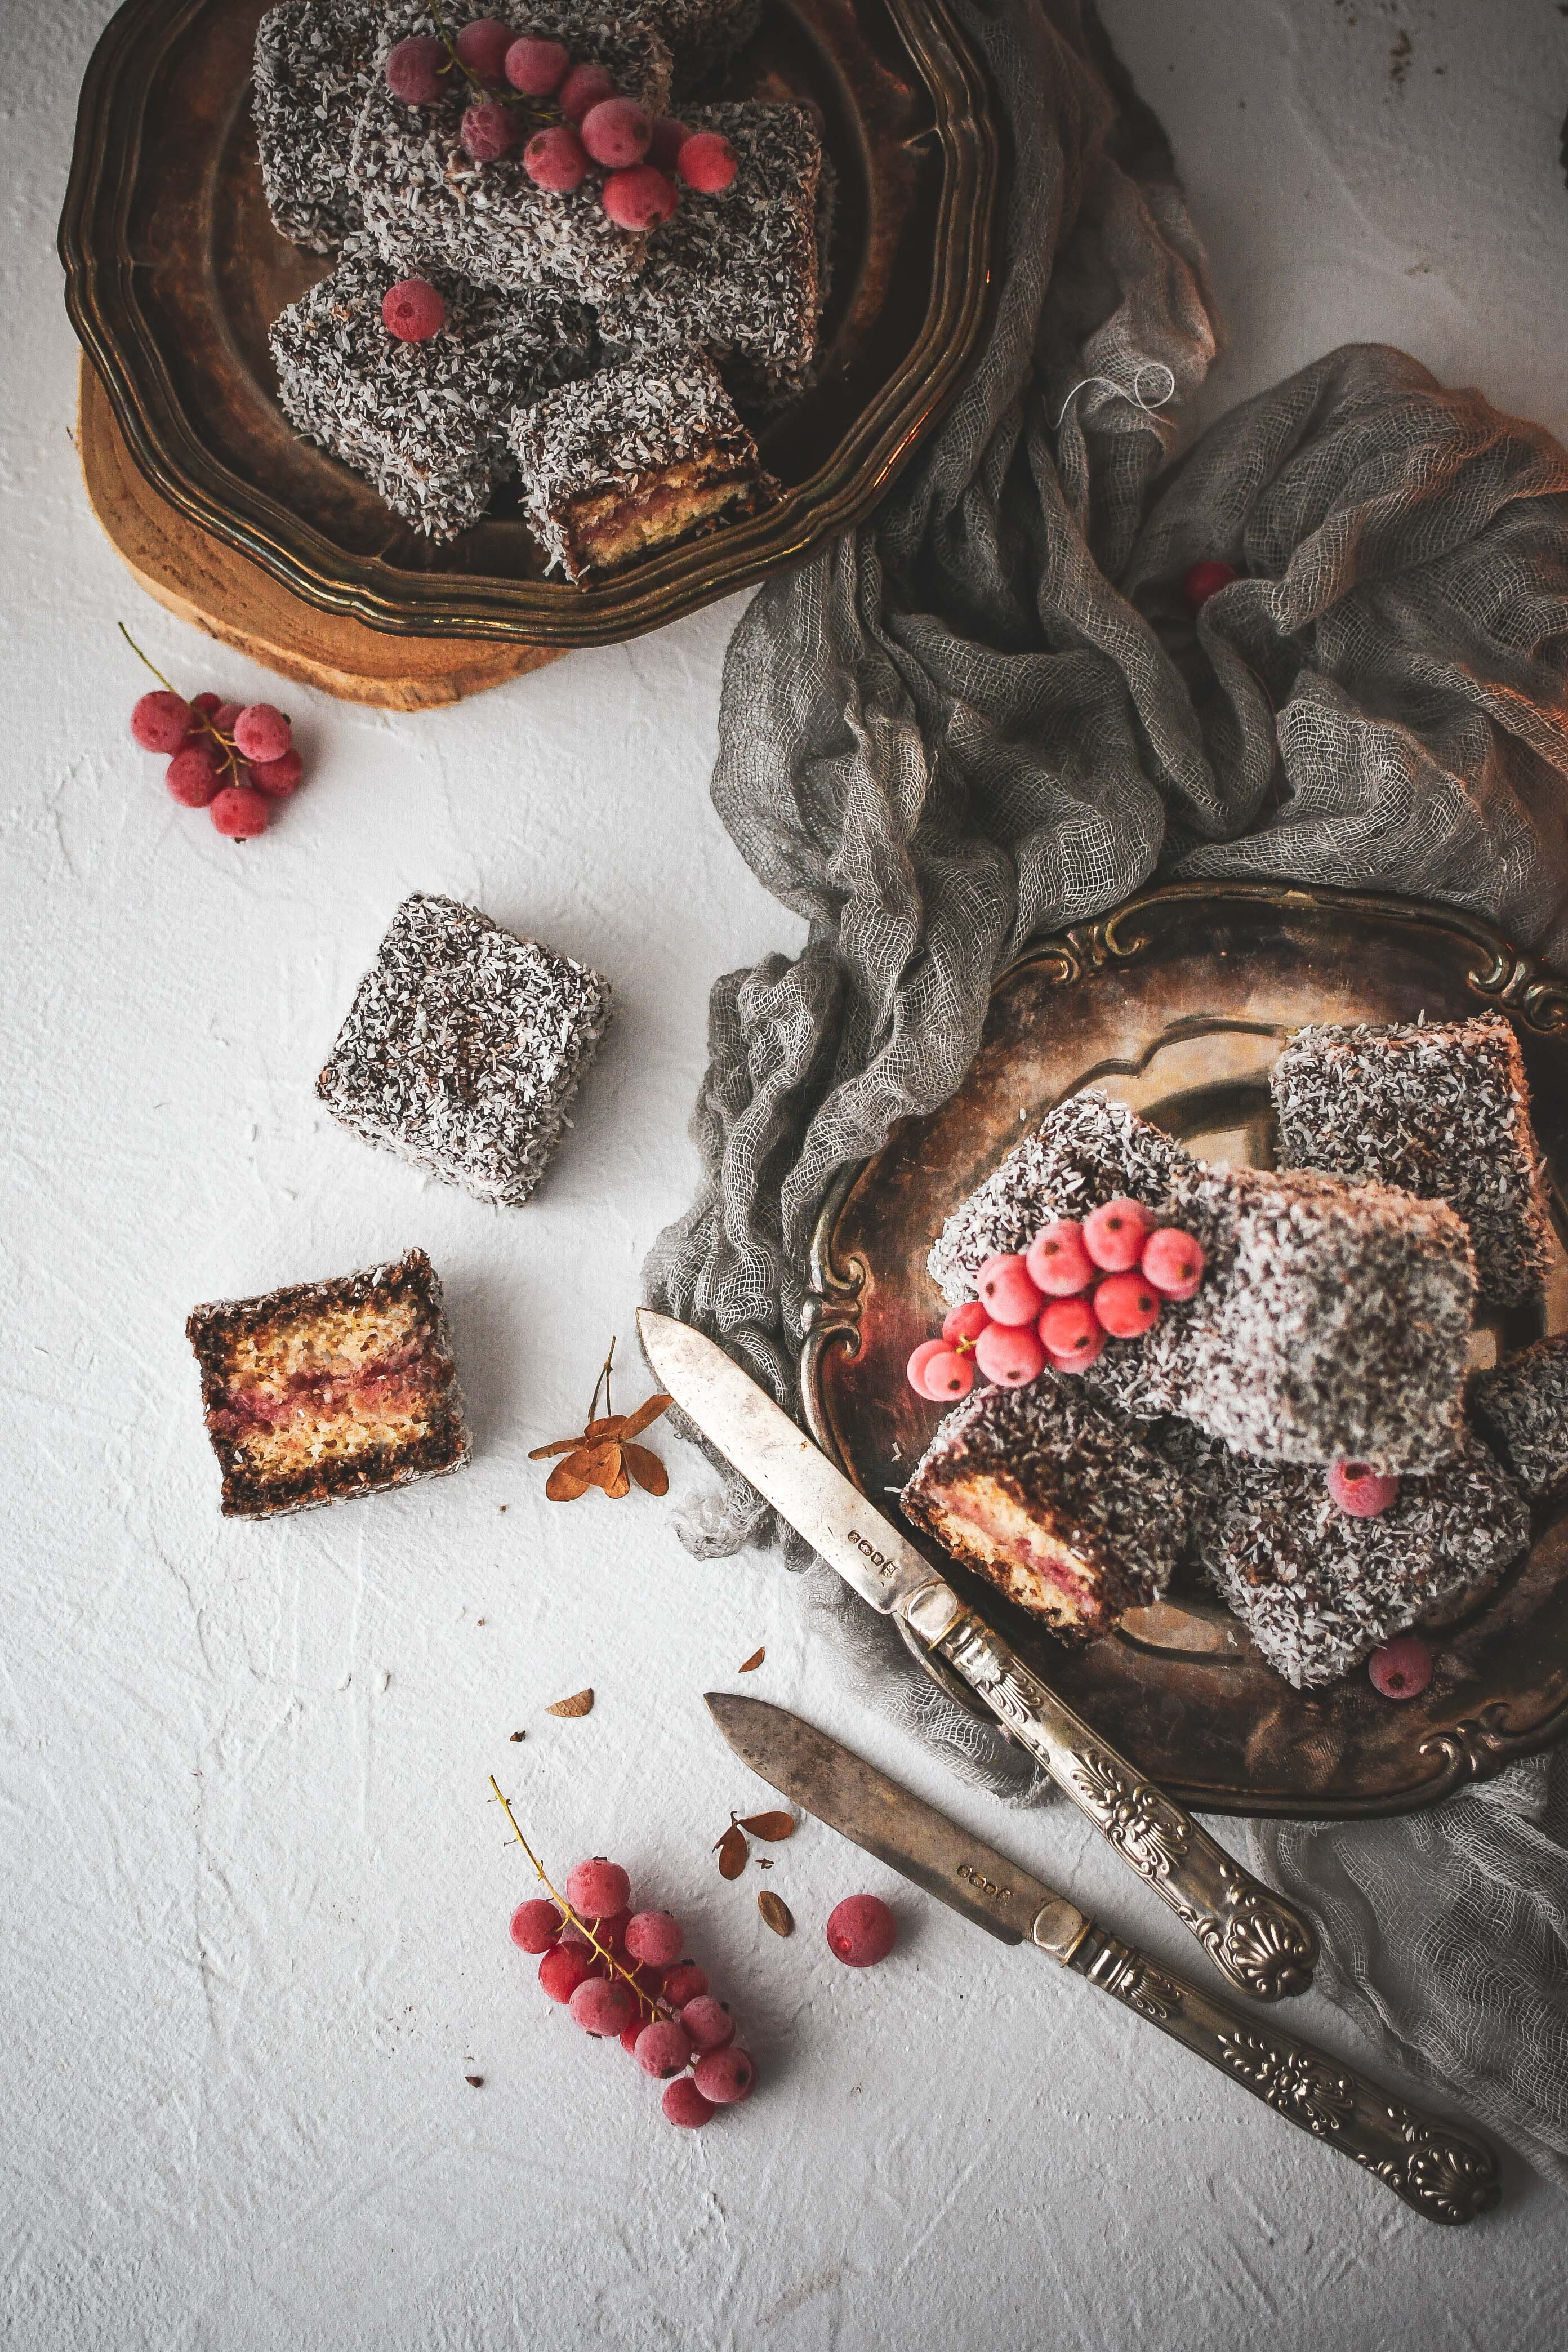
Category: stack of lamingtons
<point>544,272</point>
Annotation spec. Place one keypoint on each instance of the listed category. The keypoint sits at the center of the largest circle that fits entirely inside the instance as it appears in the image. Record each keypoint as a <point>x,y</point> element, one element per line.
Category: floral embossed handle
<point>1254,1939</point>
<point>1441,2170</point>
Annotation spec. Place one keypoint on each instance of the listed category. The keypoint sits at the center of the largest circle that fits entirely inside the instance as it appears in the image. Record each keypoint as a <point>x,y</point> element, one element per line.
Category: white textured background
<point>252,1904</point>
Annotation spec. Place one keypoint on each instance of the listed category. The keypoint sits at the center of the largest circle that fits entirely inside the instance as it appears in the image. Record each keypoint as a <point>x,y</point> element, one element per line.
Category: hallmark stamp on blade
<point>879,1559</point>
<point>984,1885</point>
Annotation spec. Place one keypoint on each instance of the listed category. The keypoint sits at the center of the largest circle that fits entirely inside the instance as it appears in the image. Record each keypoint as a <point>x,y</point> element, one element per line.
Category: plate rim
<point>1512,978</point>
<point>104,309</point>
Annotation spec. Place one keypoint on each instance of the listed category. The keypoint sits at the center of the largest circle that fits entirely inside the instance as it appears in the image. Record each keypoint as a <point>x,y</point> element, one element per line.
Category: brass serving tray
<point>1177,1003</point>
<point>173,274</point>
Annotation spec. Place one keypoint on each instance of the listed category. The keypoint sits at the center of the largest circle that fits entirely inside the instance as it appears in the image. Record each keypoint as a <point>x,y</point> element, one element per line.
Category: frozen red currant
<point>684,2103</point>
<point>1206,580</point>
<point>708,2021</point>
<point>195,776</point>
<point>707,163</point>
<point>1071,1332</point>
<point>667,138</point>
<point>604,2007</point>
<point>160,721</point>
<point>686,1981</point>
<point>488,131</point>
<point>663,2048</point>
<point>725,2076</point>
<point>656,1936</point>
<point>861,1930</point>
<point>584,86</point>
<point>639,198</point>
<point>240,813</point>
<point>223,717</point>
<point>416,70</point>
<point>535,67</point>
<point>1010,1354</point>
<point>597,1889</point>
<point>483,46</point>
<point>926,1353</point>
<point>616,132</point>
<point>1401,1668</point>
<point>556,159</point>
<point>277,778</point>
<point>1127,1305</point>
<point>961,1326</point>
<point>949,1376</point>
<point>1114,1235</point>
<point>260,733</point>
<point>1172,1261</point>
<point>629,2035</point>
<point>564,1967</point>
<point>535,1925</point>
<point>1056,1262</point>
<point>1005,1290</point>
<point>1362,1491</point>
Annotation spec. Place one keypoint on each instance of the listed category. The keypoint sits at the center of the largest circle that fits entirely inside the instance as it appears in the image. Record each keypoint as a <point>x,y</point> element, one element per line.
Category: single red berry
<point>225,716</point>
<point>926,1353</point>
<point>206,704</point>
<point>639,198</point>
<point>949,1376</point>
<point>1172,1261</point>
<point>413,311</point>
<point>195,776</point>
<point>961,1326</point>
<point>668,137</point>
<point>597,1889</point>
<point>535,1926</point>
<point>1082,1357</point>
<point>1057,1261</point>
<point>1127,1305</point>
<point>1362,1491</point>
<point>628,2036</point>
<point>1010,1354</point>
<point>556,159</point>
<point>725,2076</point>
<point>1070,1331</point>
<point>160,721</point>
<point>584,86</point>
<point>260,733</point>
<point>684,2105</point>
<point>861,1930</point>
<point>708,2021</point>
<point>277,778</point>
<point>616,132</point>
<point>483,46</point>
<point>663,2048</point>
<point>707,163</point>
<point>416,70</point>
<point>564,1967</point>
<point>656,1937</point>
<point>1206,580</point>
<point>686,1981</point>
<point>1005,1290</point>
<point>488,131</point>
<point>1401,1668</point>
<point>611,1931</point>
<point>647,1979</point>
<point>1114,1235</point>
<point>604,2007</point>
<point>240,813</point>
<point>535,67</point>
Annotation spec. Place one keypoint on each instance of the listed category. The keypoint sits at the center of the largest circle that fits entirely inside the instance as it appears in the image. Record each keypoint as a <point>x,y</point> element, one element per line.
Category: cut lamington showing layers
<point>430,208</point>
<point>425,422</point>
<point>328,1389</point>
<point>1318,1591</point>
<point>737,273</point>
<point>703,35</point>
<point>1441,1110</point>
<point>314,64</point>
<point>463,1048</point>
<point>634,460</point>
<point>1523,1407</point>
<point>1055,1500</point>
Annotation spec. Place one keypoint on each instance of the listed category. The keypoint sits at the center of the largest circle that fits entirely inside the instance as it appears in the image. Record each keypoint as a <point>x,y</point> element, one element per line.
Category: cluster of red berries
<point>621,1975</point>
<point>566,115</point>
<point>236,761</point>
<point>1076,1286</point>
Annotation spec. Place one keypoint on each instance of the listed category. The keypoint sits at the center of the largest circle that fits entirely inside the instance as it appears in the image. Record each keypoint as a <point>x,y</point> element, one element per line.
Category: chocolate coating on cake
<point>325,1390</point>
<point>703,35</point>
<point>425,422</point>
<point>633,457</point>
<point>1523,1407</point>
<point>1440,1109</point>
<point>463,1048</point>
<point>1053,1499</point>
<point>314,64</point>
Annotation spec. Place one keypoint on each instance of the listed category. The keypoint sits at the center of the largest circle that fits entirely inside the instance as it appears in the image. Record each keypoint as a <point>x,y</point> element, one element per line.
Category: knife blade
<point>1259,1943</point>
<point>1444,2171</point>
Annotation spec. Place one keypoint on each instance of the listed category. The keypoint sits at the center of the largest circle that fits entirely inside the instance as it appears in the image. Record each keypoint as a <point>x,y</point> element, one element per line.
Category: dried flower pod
<point>772,1826</point>
<point>732,1851</point>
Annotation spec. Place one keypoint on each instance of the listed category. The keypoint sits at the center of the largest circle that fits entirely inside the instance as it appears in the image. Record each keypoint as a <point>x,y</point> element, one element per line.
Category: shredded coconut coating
<point>463,1048</point>
<point>617,431</point>
<point>1081,1475</point>
<point>1318,1591</point>
<point>1440,1109</point>
<point>703,35</point>
<point>737,273</point>
<point>425,422</point>
<point>312,67</point>
<point>429,206</point>
<point>1523,1407</point>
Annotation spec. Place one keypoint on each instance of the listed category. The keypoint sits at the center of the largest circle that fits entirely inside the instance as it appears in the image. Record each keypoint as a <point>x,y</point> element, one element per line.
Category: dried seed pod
<point>772,1826</point>
<point>776,1912</point>
<point>732,1851</point>
<point>753,1662</point>
<point>580,1703</point>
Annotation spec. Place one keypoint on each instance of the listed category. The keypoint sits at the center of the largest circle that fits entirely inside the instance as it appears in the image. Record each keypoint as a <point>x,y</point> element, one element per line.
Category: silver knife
<point>1441,2169</point>
<point>1256,1940</point>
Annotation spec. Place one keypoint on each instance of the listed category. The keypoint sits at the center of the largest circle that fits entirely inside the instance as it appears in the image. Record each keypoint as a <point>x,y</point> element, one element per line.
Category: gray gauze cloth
<point>983,715</point>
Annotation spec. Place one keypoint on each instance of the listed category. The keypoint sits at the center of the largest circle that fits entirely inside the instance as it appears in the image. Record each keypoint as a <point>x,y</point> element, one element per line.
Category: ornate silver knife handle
<point>1257,1942</point>
<point>1441,2171</point>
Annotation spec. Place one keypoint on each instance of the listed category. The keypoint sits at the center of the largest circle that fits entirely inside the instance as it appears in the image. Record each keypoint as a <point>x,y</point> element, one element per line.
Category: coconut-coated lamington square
<point>702,36</point>
<point>1523,1407</point>
<point>634,460</point>
<point>425,422</point>
<point>1053,1499</point>
<point>314,64</point>
<point>429,206</point>
<point>463,1048</point>
<point>1438,1108</point>
<point>737,273</point>
<point>329,1389</point>
<point>1317,1590</point>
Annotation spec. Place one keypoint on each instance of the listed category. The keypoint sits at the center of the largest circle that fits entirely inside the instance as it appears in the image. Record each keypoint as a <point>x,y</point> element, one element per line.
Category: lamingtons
<point>1058,1504</point>
<point>1524,1406</point>
<point>314,64</point>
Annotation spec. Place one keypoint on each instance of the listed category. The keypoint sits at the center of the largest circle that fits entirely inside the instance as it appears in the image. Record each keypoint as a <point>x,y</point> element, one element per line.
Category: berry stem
<point>475,84</point>
<point>654,2006</point>
<point>146,664</point>
<point>602,1382</point>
